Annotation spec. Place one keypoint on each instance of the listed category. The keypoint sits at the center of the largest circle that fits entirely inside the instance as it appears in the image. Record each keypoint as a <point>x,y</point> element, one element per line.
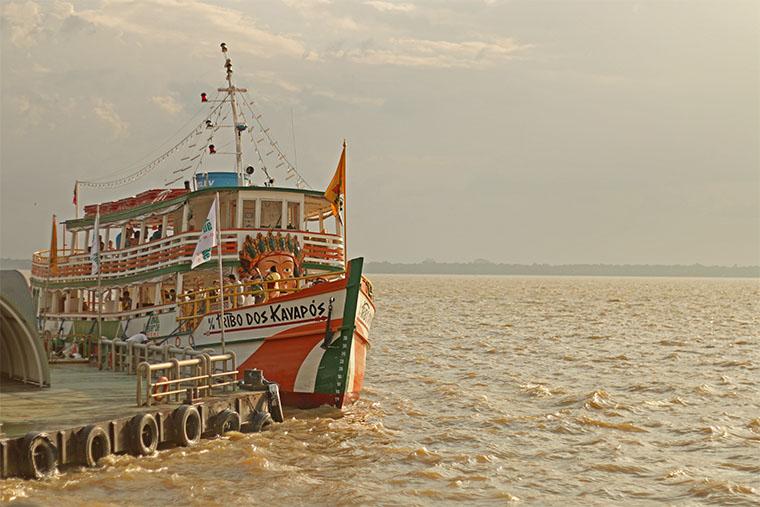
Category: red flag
<point>75,200</point>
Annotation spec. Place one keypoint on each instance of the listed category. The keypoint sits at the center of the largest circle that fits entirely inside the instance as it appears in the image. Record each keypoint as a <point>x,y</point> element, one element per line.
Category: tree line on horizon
<point>483,267</point>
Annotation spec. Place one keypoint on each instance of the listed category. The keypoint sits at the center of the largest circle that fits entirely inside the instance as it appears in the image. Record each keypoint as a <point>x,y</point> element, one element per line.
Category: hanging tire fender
<point>188,425</point>
<point>270,402</point>
<point>224,421</point>
<point>259,420</point>
<point>92,444</point>
<point>38,456</point>
<point>142,431</point>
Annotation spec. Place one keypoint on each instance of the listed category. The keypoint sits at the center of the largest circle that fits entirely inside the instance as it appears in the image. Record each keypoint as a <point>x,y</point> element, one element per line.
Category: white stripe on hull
<point>349,385</point>
<point>307,373</point>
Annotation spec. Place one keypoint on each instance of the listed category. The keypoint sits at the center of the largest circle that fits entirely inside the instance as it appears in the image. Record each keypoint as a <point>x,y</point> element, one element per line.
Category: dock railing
<point>125,356</point>
<point>171,379</point>
<point>167,372</point>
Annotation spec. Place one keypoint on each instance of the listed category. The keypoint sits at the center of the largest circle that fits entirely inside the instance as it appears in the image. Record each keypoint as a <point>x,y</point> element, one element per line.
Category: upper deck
<point>155,233</point>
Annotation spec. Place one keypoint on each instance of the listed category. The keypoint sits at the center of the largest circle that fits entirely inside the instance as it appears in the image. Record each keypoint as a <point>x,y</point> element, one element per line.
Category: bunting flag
<point>207,239</point>
<point>95,245</point>
<point>53,260</point>
<point>337,187</point>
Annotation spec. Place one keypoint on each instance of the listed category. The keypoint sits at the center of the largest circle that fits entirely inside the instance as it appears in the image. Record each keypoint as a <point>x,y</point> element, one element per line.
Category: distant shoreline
<point>486,268</point>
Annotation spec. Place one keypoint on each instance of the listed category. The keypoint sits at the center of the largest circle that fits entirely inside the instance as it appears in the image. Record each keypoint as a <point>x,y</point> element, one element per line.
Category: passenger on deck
<point>126,301</point>
<point>137,338</point>
<point>129,232</point>
<point>213,296</point>
<point>236,292</point>
<point>156,234</point>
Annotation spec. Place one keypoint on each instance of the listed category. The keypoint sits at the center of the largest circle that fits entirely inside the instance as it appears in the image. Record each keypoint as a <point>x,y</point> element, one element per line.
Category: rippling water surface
<point>489,391</point>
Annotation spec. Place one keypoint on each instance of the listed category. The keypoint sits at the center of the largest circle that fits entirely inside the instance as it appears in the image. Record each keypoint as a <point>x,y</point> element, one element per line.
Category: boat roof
<point>147,209</point>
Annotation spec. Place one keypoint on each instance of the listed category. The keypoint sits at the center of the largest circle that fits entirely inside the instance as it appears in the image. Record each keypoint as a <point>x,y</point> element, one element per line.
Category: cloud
<point>34,109</point>
<point>168,104</point>
<point>436,53</point>
<point>305,93</point>
<point>106,111</point>
<point>29,23</point>
<point>390,6</point>
<point>325,15</point>
<point>193,21</point>
<point>24,22</point>
<point>353,100</point>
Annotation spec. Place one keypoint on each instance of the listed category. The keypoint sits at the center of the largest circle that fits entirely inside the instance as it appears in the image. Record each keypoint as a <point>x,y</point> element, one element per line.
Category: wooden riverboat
<point>297,308</point>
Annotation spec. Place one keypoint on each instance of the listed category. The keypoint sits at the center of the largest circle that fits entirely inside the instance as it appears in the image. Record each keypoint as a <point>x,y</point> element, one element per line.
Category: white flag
<point>95,245</point>
<point>207,239</point>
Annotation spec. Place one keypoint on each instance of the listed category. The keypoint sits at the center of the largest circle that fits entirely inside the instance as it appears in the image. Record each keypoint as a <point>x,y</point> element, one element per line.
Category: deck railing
<point>194,305</point>
<point>319,249</point>
<point>165,372</point>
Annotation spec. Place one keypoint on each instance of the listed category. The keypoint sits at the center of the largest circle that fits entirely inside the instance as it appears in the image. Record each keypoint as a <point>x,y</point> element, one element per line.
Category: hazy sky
<point>517,131</point>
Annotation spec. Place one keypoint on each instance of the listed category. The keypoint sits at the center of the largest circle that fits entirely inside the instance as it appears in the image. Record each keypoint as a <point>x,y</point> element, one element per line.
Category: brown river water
<point>495,391</point>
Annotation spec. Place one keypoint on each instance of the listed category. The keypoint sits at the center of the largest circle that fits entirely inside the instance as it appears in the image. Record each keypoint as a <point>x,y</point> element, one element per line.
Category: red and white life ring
<point>163,389</point>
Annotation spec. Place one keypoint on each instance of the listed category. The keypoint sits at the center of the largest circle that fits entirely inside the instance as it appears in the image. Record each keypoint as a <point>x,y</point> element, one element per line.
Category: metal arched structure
<point>22,356</point>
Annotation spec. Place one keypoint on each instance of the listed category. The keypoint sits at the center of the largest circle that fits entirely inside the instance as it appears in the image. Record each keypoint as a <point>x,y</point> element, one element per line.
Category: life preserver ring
<point>177,341</point>
<point>164,388</point>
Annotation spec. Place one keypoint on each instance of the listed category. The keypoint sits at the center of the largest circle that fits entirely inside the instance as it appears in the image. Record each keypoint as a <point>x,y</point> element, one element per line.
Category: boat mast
<point>237,127</point>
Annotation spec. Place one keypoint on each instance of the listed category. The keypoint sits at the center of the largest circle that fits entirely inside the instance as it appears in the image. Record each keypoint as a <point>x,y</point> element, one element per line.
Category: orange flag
<point>53,263</point>
<point>337,187</point>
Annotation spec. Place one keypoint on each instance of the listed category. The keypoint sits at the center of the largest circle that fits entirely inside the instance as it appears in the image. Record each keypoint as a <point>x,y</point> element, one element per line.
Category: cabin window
<point>294,215</point>
<point>271,214</point>
<point>249,214</point>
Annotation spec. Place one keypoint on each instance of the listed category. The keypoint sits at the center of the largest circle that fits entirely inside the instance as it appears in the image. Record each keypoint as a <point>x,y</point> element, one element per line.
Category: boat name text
<point>275,313</point>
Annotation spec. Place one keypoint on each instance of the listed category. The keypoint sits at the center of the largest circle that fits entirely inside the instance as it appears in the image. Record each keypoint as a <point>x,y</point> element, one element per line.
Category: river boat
<point>291,303</point>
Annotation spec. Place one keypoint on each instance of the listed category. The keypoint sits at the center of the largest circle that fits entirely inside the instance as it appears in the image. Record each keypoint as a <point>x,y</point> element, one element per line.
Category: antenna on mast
<point>238,127</point>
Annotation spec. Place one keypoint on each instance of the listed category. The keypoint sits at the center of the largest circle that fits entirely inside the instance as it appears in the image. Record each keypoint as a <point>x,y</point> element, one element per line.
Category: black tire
<point>93,443</point>
<point>224,421</point>
<point>264,404</point>
<point>142,434</point>
<point>38,456</point>
<point>259,420</point>
<point>188,426</point>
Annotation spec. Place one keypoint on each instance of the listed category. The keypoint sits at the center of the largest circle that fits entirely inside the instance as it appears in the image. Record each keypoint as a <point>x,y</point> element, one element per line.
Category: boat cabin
<point>274,241</point>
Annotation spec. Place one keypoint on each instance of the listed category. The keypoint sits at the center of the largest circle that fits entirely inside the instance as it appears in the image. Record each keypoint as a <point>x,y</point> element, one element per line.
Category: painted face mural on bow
<point>272,253</point>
